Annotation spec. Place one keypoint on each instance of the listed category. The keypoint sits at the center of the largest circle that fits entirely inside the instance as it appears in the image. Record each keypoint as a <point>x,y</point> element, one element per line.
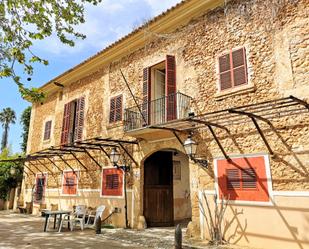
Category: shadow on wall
<point>289,217</point>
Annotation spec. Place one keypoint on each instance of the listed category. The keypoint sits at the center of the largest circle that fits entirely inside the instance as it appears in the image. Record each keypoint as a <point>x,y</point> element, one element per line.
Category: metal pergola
<point>264,111</point>
<point>63,152</point>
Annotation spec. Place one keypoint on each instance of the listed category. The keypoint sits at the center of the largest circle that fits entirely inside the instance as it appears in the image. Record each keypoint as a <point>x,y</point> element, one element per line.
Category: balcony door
<point>159,89</point>
<point>157,104</point>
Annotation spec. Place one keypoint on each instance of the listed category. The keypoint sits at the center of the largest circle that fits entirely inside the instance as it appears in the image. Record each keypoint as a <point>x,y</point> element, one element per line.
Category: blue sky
<point>105,23</point>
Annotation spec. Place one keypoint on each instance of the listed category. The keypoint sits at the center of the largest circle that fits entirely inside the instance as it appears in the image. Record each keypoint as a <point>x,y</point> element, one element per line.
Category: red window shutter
<point>69,184</point>
<point>47,130</point>
<point>225,72</point>
<point>112,182</point>
<point>66,124</point>
<point>146,95</point>
<point>79,119</point>
<point>170,82</point>
<point>239,67</point>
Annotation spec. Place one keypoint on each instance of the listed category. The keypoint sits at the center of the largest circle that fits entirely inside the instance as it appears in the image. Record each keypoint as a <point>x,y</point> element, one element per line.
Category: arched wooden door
<point>158,189</point>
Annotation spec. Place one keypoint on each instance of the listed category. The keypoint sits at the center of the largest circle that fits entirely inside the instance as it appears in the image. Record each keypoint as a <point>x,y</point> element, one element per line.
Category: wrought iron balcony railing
<point>158,111</point>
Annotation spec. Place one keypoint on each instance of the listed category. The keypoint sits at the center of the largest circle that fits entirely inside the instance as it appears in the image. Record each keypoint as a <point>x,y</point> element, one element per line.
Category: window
<point>47,130</point>
<point>115,113</point>
<point>40,185</point>
<point>243,179</point>
<point>112,182</point>
<point>233,69</point>
<point>69,184</point>
<point>159,92</point>
<point>73,121</point>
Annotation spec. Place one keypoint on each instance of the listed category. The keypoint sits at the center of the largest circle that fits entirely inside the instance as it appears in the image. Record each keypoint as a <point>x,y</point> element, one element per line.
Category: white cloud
<point>105,23</point>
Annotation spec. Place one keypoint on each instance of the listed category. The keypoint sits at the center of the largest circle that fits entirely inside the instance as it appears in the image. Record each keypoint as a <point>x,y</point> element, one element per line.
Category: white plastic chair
<point>98,215</point>
<point>78,216</point>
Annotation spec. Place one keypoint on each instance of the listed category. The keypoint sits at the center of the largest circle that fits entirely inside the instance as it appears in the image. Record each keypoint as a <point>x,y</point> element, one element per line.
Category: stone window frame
<point>245,88</point>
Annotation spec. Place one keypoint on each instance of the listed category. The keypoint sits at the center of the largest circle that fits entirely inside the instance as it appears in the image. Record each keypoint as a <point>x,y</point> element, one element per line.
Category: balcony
<point>159,111</point>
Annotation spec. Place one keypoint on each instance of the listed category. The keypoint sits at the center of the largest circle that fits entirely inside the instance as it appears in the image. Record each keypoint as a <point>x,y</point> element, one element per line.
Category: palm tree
<point>7,117</point>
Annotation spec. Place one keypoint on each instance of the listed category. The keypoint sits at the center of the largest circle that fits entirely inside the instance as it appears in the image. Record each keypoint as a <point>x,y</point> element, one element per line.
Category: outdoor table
<point>55,213</point>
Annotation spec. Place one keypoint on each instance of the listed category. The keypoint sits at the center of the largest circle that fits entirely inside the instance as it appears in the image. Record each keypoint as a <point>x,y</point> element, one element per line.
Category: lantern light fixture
<point>114,156</point>
<point>12,170</point>
<point>190,147</point>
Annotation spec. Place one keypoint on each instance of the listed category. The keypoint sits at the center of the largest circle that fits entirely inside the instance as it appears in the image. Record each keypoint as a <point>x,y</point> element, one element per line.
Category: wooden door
<point>158,189</point>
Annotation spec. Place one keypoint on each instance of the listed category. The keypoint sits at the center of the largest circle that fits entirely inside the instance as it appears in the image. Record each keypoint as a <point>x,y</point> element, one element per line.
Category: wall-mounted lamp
<point>190,147</point>
<point>12,171</point>
<point>58,84</point>
<point>114,157</point>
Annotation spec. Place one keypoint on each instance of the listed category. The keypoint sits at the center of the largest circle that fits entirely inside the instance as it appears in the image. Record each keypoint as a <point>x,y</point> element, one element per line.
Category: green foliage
<point>25,122</point>
<point>7,117</point>
<point>8,181</point>
<point>22,22</point>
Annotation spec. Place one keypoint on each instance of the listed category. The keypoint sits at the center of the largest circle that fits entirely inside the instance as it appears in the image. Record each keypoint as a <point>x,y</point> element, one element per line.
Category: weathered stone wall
<point>275,34</point>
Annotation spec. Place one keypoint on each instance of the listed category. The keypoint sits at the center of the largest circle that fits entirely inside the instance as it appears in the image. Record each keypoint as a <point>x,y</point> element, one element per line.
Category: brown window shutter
<point>239,67</point>
<point>79,119</point>
<point>225,72</point>
<point>233,178</point>
<point>146,95</point>
<point>47,130</point>
<point>66,124</point>
<point>248,178</point>
<point>118,108</point>
<point>40,188</point>
<point>112,110</point>
<point>112,182</point>
<point>170,82</point>
<point>115,112</point>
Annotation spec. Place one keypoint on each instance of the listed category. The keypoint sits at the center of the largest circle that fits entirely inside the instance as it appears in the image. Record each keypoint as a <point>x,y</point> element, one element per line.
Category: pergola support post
<point>66,163</point>
<point>32,164</point>
<point>93,159</point>
<point>262,136</point>
<point>129,155</point>
<point>75,157</point>
<point>218,142</point>
<point>53,163</point>
<point>42,164</point>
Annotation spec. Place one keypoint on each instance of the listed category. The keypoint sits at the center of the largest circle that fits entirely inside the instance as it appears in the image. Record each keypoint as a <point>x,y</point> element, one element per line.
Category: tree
<point>7,117</point>
<point>7,180</point>
<point>25,122</point>
<point>24,21</point>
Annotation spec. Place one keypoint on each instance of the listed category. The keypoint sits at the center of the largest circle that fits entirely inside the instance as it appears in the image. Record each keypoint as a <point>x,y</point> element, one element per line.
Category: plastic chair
<point>77,216</point>
<point>98,215</point>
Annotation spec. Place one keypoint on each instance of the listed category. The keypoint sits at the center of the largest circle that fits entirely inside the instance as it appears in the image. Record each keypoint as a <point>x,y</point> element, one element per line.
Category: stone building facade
<point>205,56</point>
